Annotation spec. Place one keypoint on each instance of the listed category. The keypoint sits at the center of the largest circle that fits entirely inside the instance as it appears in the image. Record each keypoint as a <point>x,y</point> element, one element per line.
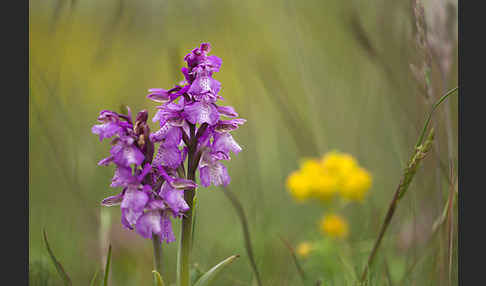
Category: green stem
<point>157,254</point>
<point>185,242</point>
<point>437,104</point>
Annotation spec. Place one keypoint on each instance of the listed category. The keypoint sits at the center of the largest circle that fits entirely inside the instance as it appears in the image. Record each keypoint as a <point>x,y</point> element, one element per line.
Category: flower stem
<point>157,254</point>
<point>185,244</point>
<point>184,253</point>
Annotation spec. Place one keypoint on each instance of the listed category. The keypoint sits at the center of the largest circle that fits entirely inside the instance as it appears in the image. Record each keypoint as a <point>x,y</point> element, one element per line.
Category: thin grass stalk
<point>421,151</point>
<point>437,104</point>
<point>450,220</point>
<point>407,177</point>
<point>157,255</point>
<point>296,261</point>
<point>246,232</point>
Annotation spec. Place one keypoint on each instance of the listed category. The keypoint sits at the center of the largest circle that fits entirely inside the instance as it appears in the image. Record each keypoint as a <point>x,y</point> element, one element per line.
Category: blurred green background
<point>309,76</point>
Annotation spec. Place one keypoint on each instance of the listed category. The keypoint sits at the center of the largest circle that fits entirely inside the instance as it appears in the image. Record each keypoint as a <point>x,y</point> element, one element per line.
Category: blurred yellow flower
<point>339,164</point>
<point>334,226</point>
<point>303,249</point>
<point>311,181</point>
<point>357,185</point>
<point>334,173</point>
<point>299,186</point>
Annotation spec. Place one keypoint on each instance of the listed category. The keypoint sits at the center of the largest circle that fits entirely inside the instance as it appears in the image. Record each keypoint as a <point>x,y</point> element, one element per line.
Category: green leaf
<point>107,267</point>
<point>246,232</point>
<point>93,280</point>
<point>158,279</point>
<point>213,272</point>
<point>195,273</point>
<point>59,268</point>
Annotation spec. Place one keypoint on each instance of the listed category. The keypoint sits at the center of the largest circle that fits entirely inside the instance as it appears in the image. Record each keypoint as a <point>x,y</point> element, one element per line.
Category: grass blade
<point>107,267</point>
<point>158,279</point>
<point>93,280</point>
<point>402,188</point>
<point>59,268</point>
<point>246,233</point>
<point>294,257</point>
<point>206,279</point>
<point>434,107</point>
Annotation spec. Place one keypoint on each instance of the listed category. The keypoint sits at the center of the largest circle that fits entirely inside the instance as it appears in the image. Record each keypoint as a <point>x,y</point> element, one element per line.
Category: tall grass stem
<point>157,254</point>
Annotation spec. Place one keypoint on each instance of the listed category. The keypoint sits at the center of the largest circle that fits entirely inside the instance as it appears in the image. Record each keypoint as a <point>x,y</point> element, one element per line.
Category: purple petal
<point>153,222</point>
<point>215,174</point>
<point>123,176</point>
<point>105,161</point>
<point>167,234</point>
<point>106,130</point>
<point>130,217</point>
<point>168,156</point>
<point>124,214</point>
<point>183,184</point>
<point>134,200</point>
<point>155,205</point>
<point>113,200</point>
<point>187,74</point>
<point>228,111</point>
<point>224,142</point>
<point>201,112</point>
<point>108,115</point>
<point>149,223</point>
<point>126,155</point>
<point>214,62</point>
<point>159,95</point>
<point>204,86</point>
<point>160,134</point>
<point>173,137</point>
<point>146,169</point>
<point>158,116</point>
<point>174,198</point>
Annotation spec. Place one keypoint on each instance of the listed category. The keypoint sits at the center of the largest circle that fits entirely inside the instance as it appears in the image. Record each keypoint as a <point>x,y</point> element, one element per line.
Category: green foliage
<point>57,264</point>
<point>309,76</point>
<point>158,279</point>
<point>39,274</point>
<point>208,277</point>
<point>107,267</point>
<point>94,280</point>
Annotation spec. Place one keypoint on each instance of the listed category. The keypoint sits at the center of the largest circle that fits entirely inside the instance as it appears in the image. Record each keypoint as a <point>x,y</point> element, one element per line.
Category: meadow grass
<point>309,76</point>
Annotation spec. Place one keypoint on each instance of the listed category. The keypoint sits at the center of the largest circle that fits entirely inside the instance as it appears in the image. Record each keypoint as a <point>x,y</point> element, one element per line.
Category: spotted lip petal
<point>225,143</point>
<point>123,176</point>
<point>215,174</point>
<point>204,86</point>
<point>168,156</point>
<point>174,199</point>
<point>201,112</point>
<point>126,153</point>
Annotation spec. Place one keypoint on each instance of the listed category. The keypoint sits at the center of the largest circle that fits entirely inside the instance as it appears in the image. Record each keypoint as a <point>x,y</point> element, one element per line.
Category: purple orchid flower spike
<point>149,167</point>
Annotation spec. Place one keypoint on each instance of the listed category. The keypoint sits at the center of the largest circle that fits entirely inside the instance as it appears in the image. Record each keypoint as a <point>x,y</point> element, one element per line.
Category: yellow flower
<point>325,186</point>
<point>335,172</point>
<point>322,184</point>
<point>356,186</point>
<point>334,226</point>
<point>299,186</point>
<point>311,166</point>
<point>303,249</point>
<point>338,163</point>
